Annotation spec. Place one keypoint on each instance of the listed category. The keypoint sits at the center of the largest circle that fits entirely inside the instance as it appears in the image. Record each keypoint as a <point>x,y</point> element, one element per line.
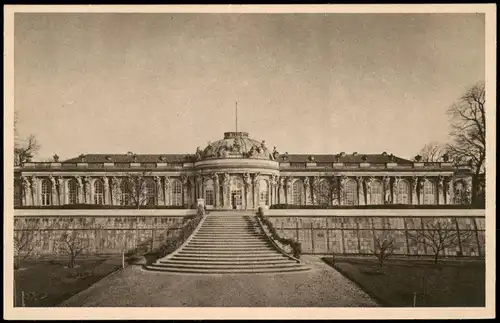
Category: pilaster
<point>450,191</point>
<point>307,191</point>
<point>361,195</point>
<point>216,190</point>
<point>414,186</point>
<point>107,193</point>
<point>166,190</point>
<point>440,189</point>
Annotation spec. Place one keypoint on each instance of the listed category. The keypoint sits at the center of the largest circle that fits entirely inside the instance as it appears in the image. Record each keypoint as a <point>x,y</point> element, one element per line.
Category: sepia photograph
<point>247,158</point>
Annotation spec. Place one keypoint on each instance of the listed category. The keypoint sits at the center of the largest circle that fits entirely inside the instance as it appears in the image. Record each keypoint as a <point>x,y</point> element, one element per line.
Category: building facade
<point>238,172</point>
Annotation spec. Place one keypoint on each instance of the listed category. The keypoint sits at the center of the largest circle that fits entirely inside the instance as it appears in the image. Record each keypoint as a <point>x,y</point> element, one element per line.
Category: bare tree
<point>432,152</point>
<point>325,192</point>
<point>468,123</point>
<point>26,238</point>
<point>73,245</point>
<point>137,189</point>
<point>24,149</point>
<point>384,244</point>
<point>439,234</point>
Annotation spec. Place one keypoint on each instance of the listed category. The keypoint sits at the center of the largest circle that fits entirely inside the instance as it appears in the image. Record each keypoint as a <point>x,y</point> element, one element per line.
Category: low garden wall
<point>100,231</point>
<point>354,231</point>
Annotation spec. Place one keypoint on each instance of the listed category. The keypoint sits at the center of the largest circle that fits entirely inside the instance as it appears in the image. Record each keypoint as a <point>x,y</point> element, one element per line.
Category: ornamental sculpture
<point>247,179</point>
<point>306,182</point>
<point>227,179</point>
<point>440,182</point>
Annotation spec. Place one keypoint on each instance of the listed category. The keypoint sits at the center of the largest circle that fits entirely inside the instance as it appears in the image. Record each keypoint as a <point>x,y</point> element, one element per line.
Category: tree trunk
<point>436,258</point>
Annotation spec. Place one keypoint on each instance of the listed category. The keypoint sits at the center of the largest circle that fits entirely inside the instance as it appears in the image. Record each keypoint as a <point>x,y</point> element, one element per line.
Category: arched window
<point>176,192</point>
<point>150,192</point>
<point>350,193</point>
<point>209,192</point>
<point>403,192</point>
<point>46,192</point>
<point>376,192</point>
<point>236,192</point>
<point>126,190</point>
<point>264,192</point>
<point>73,191</point>
<point>323,193</point>
<point>98,192</point>
<point>297,190</point>
<point>429,192</point>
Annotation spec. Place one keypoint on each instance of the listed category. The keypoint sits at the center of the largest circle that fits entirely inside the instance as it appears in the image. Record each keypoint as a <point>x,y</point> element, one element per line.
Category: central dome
<point>236,145</point>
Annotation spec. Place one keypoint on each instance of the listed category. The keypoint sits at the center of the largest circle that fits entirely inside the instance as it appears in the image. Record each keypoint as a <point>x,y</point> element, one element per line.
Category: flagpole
<point>236,116</point>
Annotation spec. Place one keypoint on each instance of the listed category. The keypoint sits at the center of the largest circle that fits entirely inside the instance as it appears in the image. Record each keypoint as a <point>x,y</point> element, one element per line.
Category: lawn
<point>48,282</point>
<point>448,284</point>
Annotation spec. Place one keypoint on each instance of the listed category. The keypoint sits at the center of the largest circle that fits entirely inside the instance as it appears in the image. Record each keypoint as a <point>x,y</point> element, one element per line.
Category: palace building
<point>238,172</point>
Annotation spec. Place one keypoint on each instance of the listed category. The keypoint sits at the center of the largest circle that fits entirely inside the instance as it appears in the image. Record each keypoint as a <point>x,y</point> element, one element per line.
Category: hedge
<point>294,244</point>
<point>377,206</point>
<point>102,207</point>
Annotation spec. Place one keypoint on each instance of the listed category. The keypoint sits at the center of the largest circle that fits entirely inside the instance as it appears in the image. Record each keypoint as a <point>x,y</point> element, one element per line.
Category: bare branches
<point>469,128</point>
<point>384,245</point>
<point>138,188</point>
<point>432,152</point>
<point>24,152</point>
<point>438,235</point>
<point>324,191</point>
<point>73,245</point>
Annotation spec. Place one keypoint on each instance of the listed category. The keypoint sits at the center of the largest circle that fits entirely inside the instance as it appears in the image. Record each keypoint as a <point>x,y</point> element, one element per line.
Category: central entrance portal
<point>236,193</point>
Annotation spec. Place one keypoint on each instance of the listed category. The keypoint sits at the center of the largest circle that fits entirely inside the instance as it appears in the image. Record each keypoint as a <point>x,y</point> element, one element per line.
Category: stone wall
<point>105,233</point>
<point>355,232</point>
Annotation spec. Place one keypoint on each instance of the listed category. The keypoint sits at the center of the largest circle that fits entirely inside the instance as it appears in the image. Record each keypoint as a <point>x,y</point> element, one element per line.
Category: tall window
<point>429,192</point>
<point>176,193</point>
<point>297,189</point>
<point>46,192</point>
<point>350,193</point>
<point>376,192</point>
<point>209,192</point>
<point>73,191</point>
<point>323,193</point>
<point>126,190</point>
<point>150,192</point>
<point>98,192</point>
<point>403,192</point>
<point>264,192</point>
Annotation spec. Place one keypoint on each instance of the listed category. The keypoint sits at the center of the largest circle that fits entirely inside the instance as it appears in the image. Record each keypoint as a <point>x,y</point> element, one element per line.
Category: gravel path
<point>321,287</point>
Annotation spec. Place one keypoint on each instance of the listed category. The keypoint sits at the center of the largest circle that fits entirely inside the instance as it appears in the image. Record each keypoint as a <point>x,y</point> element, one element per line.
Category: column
<point>368,184</point>
<point>440,188</point>
<point>226,191</point>
<point>184,181</point>
<point>307,190</point>
<point>361,195</point>
<point>421,191</point>
<point>343,180</point>
<point>281,190</point>
<point>86,196</point>
<point>61,197</point>
<point>35,190</point>
<point>395,190</point>
<point>192,190</point>
<point>107,193</point>
<point>216,190</point>
<point>256,191</point>
<point>450,189</point>
<point>27,194</point>
<point>414,185</point>
<point>166,190</point>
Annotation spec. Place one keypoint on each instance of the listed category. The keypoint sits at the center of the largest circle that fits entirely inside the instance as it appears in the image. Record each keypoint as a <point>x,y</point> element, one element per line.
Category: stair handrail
<point>275,244</point>
<point>170,255</point>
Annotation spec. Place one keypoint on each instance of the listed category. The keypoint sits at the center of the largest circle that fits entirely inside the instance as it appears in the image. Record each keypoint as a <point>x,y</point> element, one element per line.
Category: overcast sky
<point>305,83</point>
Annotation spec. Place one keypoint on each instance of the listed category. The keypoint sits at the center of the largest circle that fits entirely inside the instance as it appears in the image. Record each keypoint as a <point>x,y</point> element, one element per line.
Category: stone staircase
<point>228,242</point>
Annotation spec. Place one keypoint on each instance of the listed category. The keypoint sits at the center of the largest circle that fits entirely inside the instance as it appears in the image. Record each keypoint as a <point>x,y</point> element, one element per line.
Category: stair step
<point>225,266</point>
<point>227,258</point>
<point>225,262</point>
<point>230,257</point>
<point>230,271</point>
<point>197,252</point>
